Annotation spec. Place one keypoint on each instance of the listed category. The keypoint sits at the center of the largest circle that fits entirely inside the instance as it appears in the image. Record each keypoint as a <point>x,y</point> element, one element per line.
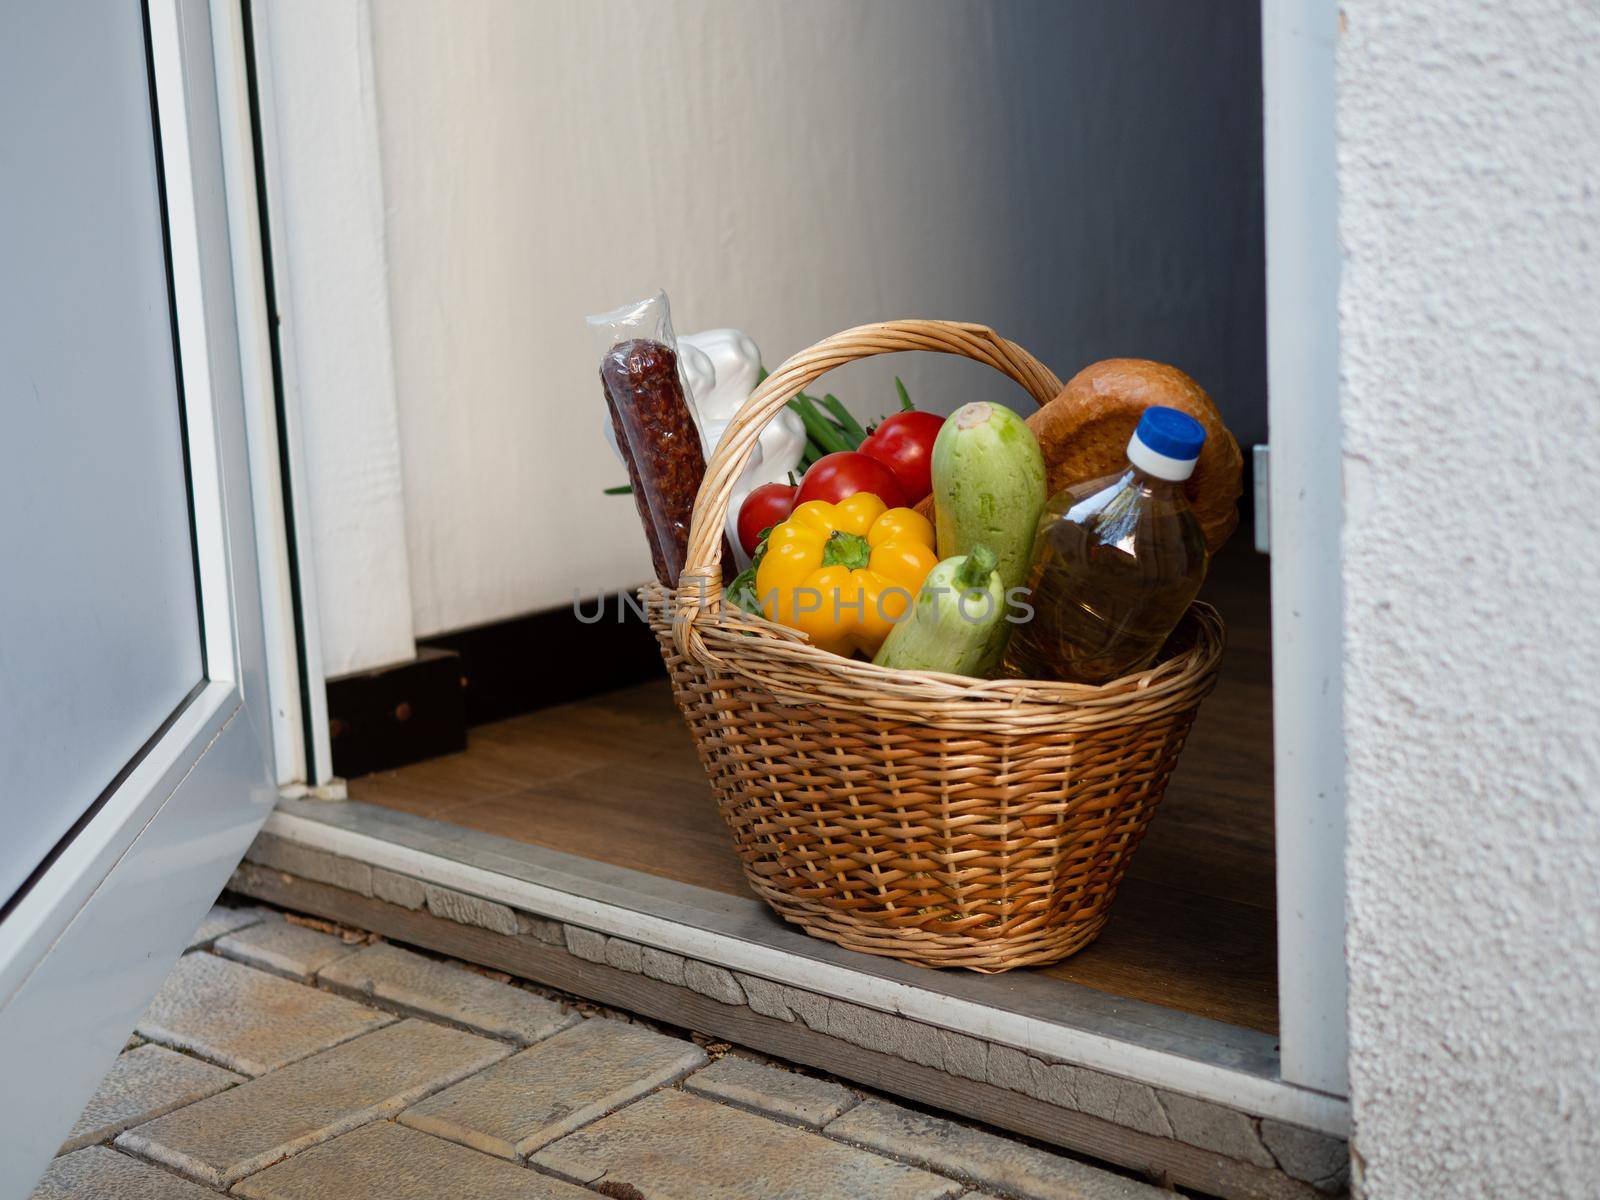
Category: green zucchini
<point>989,487</point>
<point>953,625</point>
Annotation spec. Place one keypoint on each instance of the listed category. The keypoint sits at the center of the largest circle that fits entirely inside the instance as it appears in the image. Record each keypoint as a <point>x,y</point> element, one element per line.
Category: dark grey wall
<point>1124,215</point>
<point>1154,149</point>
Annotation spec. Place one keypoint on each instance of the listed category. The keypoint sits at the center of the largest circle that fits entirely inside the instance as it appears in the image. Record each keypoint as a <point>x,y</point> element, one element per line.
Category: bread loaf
<point>1084,433</point>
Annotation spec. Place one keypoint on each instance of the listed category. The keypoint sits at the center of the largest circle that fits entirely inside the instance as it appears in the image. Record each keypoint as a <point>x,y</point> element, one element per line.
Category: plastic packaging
<point>654,425</point>
<point>1116,562</point>
<point>723,367</point>
<point>720,368</point>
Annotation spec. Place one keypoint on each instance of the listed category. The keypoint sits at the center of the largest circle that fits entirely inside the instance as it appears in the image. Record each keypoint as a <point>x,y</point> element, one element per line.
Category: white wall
<point>1469,138</point>
<point>1083,177</point>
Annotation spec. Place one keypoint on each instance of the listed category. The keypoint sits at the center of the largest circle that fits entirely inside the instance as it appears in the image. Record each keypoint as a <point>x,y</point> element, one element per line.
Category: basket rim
<point>788,664</point>
<point>712,632</point>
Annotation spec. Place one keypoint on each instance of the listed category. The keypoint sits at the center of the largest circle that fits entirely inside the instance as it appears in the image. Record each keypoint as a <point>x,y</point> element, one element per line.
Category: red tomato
<point>763,508</point>
<point>904,444</point>
<point>833,477</point>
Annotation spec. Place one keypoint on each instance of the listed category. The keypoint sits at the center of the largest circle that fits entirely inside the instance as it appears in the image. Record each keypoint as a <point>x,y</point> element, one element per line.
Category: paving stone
<point>285,948</point>
<point>236,1133</point>
<point>247,1020</point>
<point>810,1008</point>
<point>1121,1101</point>
<point>470,910</point>
<point>772,1090</point>
<point>143,1084</point>
<point>586,943</point>
<point>884,1032</point>
<point>1118,1100</point>
<point>993,1162</point>
<point>678,1146</point>
<point>275,852</point>
<point>1338,1184</point>
<point>1212,1127</point>
<point>100,1174</point>
<point>964,1056</point>
<point>555,1086</point>
<point>222,920</point>
<point>625,955</point>
<point>383,1161</point>
<point>663,965</point>
<point>398,889</point>
<point>547,931</point>
<point>765,997</point>
<point>1315,1157</point>
<point>713,981</point>
<point>1010,1068</point>
<point>423,985</point>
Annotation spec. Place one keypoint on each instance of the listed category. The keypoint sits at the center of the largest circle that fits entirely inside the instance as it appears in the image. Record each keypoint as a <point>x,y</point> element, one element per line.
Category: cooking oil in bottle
<point>1116,562</point>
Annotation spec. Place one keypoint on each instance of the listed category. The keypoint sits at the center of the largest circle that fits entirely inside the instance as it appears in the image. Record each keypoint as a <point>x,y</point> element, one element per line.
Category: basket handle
<point>700,586</point>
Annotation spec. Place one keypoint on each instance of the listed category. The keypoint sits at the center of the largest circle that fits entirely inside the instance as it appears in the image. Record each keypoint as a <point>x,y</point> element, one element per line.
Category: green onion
<point>820,430</point>
<point>905,398</point>
<point>841,414</point>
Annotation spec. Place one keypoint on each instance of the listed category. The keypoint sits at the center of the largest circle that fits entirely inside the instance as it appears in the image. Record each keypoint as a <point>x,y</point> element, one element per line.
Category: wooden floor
<point>616,778</point>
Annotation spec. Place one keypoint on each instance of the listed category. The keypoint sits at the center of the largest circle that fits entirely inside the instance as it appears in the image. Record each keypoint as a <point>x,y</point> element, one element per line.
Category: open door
<point>135,740</point>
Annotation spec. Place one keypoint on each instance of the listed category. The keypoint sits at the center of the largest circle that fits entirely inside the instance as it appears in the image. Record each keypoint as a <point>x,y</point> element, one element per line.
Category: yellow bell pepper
<point>845,573</point>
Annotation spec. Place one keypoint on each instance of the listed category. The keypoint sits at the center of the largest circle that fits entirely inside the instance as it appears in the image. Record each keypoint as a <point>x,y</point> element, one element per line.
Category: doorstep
<point>1194,1100</point>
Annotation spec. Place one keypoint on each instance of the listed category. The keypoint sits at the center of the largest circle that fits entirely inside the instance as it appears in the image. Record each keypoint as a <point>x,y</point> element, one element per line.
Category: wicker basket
<point>945,821</point>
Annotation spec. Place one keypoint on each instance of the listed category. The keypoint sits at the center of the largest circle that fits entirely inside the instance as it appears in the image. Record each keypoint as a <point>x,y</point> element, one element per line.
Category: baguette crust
<point>1084,434</point>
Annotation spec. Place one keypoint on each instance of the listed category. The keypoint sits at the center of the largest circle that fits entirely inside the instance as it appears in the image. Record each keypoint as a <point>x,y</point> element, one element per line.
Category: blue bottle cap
<point>1171,433</point>
<point>1166,444</point>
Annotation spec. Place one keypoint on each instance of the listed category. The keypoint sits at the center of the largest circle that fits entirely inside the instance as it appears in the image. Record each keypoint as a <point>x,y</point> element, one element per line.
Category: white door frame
<point>325,208</point>
<point>91,939</point>
<point>289,610</point>
<point>1306,505</point>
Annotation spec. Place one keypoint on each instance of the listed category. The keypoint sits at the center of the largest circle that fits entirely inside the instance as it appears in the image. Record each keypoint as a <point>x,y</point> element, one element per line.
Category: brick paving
<point>285,949</point>
<point>238,1132</point>
<point>555,1087</point>
<point>375,1073</point>
<point>680,1146</point>
<point>361,1165</point>
<point>220,921</point>
<point>144,1083</point>
<point>423,987</point>
<point>995,1162</point>
<point>247,1020</point>
<point>772,1090</point>
<point>96,1171</point>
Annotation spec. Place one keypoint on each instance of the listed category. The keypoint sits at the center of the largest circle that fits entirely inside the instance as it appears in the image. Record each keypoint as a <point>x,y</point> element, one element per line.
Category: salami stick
<point>658,438</point>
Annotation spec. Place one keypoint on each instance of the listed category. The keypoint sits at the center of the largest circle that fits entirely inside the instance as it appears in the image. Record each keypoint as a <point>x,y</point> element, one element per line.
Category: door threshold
<point>1135,1040</point>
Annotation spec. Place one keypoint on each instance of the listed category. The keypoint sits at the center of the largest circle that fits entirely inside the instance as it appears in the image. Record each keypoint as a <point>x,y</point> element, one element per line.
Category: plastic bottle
<point>1116,562</point>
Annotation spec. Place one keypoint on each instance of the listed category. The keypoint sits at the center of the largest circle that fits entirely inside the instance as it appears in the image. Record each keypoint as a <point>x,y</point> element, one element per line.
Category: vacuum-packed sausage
<point>658,438</point>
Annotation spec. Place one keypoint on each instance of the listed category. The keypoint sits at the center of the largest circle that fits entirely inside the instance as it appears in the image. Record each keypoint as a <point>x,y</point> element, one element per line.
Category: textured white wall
<point>1470,328</point>
<point>1084,177</point>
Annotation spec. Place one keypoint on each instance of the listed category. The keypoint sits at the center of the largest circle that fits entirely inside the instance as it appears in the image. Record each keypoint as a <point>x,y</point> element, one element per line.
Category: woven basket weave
<point>945,821</point>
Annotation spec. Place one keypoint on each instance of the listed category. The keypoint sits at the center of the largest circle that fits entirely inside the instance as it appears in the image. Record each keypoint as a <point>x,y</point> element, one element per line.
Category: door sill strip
<point>1180,1052</point>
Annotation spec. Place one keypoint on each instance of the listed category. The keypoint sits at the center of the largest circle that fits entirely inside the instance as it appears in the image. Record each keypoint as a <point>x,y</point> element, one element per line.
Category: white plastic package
<point>721,368</point>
